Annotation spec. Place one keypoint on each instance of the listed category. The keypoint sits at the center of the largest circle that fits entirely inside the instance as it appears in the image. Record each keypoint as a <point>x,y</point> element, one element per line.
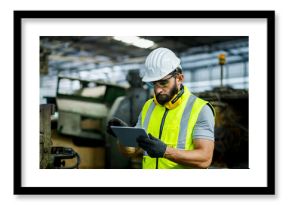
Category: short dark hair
<point>177,70</point>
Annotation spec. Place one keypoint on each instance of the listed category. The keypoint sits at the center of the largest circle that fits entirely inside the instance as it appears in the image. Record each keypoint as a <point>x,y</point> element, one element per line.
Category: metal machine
<point>52,157</point>
<point>231,126</point>
<point>82,112</point>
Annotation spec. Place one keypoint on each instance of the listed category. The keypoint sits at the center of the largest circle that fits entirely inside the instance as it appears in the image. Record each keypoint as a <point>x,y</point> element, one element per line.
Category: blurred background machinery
<point>90,79</point>
<point>83,114</point>
<point>52,157</point>
<point>45,135</point>
<point>231,126</point>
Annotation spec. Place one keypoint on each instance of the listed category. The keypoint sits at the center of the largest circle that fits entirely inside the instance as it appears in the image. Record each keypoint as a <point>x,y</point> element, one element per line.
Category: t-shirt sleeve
<point>204,127</point>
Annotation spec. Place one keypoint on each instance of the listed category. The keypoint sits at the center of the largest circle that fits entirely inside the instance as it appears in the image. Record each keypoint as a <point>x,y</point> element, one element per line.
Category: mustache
<point>159,94</point>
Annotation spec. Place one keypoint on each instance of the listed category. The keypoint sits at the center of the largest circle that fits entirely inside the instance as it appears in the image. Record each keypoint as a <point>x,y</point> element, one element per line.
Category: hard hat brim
<point>152,79</point>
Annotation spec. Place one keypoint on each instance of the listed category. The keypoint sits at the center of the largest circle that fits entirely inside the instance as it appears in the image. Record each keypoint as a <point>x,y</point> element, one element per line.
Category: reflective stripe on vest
<point>177,129</point>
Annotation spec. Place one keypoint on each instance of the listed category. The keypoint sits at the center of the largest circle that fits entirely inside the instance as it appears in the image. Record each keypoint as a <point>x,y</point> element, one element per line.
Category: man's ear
<point>180,78</point>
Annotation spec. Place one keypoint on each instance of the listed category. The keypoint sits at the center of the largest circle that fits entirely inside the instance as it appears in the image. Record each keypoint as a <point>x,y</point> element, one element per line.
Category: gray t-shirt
<point>204,127</point>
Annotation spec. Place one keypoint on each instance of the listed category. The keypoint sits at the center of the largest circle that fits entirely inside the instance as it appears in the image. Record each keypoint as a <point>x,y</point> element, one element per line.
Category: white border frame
<point>255,28</point>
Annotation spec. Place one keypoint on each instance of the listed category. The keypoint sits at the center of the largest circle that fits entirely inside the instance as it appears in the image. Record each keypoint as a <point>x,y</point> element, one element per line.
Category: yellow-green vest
<point>174,127</point>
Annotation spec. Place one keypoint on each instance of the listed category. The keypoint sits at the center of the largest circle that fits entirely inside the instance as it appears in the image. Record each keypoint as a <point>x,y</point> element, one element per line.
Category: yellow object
<point>174,102</point>
<point>222,59</point>
<point>175,124</point>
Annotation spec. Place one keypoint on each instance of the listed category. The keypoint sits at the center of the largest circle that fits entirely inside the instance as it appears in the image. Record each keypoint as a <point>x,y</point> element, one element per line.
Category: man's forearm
<point>194,158</point>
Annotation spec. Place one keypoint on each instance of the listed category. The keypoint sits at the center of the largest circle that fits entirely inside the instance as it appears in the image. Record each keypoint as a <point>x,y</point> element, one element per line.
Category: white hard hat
<point>159,63</point>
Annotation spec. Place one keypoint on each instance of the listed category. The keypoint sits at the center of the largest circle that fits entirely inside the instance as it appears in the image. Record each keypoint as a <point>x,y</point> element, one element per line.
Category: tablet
<point>128,135</point>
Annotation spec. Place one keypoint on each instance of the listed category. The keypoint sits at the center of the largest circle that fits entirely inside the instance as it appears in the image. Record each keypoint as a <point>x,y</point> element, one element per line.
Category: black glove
<point>115,122</point>
<point>153,146</point>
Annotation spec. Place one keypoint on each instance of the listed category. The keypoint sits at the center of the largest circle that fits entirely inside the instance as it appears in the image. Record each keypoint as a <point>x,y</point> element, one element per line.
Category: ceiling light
<point>135,40</point>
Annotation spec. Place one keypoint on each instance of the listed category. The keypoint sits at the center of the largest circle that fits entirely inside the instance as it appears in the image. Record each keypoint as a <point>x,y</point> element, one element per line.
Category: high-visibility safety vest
<point>174,127</point>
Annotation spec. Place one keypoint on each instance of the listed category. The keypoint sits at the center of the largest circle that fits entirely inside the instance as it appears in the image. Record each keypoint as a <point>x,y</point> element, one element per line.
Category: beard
<point>164,98</point>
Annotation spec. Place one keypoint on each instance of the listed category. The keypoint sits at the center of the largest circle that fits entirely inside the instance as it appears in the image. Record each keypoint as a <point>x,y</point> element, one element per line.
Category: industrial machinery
<point>60,154</point>
<point>231,126</point>
<point>82,111</point>
<point>45,135</point>
<point>52,157</point>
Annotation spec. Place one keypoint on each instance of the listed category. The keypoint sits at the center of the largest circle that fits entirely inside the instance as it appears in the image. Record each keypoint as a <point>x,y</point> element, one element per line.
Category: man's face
<point>167,87</point>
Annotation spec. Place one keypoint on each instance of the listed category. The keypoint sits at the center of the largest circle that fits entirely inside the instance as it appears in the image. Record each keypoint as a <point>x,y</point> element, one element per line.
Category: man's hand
<point>127,151</point>
<point>153,146</point>
<point>115,122</point>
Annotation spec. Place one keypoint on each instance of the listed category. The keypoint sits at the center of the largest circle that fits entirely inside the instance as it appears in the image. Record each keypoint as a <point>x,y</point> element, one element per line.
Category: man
<point>180,125</point>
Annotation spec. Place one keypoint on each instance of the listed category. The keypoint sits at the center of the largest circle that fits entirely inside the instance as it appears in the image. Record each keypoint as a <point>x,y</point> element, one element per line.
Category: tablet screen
<point>127,135</point>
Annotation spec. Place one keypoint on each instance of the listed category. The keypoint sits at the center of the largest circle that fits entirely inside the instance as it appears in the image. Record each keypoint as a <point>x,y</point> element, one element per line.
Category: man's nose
<point>158,89</point>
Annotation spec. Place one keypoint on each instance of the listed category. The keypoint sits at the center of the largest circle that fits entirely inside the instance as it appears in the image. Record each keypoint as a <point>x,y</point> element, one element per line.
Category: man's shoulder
<point>148,103</point>
<point>207,108</point>
<point>207,111</point>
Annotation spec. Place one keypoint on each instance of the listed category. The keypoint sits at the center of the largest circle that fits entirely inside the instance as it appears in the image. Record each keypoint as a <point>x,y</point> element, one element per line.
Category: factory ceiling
<point>77,51</point>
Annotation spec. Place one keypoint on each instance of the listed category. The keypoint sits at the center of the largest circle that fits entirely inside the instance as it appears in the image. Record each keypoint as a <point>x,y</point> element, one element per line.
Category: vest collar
<point>176,100</point>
